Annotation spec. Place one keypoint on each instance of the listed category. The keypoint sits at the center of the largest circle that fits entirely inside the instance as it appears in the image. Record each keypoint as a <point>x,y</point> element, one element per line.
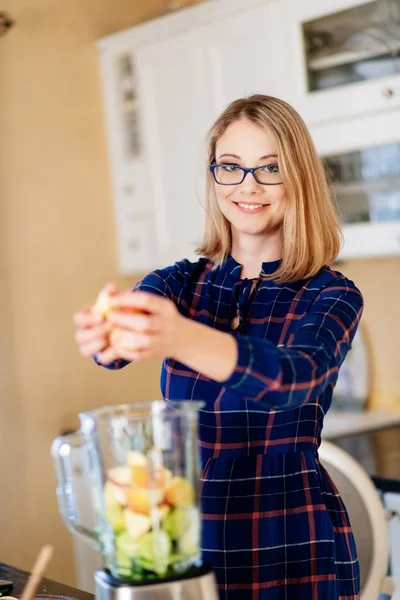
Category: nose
<point>249,185</point>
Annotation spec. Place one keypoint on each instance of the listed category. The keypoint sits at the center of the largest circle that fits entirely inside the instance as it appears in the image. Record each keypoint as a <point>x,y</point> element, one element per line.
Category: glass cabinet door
<point>366,183</point>
<point>345,57</point>
<point>353,45</point>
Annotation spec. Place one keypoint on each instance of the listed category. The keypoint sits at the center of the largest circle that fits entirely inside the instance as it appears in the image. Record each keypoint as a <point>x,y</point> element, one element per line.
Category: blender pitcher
<point>141,466</point>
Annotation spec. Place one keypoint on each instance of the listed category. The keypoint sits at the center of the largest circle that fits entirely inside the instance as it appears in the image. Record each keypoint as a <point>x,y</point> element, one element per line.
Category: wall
<point>57,247</point>
<point>379,281</point>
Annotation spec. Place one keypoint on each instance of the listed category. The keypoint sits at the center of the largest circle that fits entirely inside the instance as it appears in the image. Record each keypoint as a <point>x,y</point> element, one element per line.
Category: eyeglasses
<point>225,174</point>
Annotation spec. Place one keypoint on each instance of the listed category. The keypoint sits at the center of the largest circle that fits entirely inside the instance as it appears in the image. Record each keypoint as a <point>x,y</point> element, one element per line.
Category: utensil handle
<point>61,450</point>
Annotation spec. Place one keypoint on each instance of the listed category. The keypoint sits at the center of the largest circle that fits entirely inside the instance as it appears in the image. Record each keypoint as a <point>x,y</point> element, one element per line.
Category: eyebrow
<point>238,157</point>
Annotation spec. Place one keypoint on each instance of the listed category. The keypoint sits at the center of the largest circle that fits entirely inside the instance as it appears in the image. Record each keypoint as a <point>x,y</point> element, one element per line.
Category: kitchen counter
<point>339,423</point>
<point>49,588</point>
<point>377,448</point>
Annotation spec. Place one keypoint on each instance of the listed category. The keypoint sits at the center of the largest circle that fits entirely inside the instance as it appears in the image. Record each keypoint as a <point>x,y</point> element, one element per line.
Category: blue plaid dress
<point>274,525</point>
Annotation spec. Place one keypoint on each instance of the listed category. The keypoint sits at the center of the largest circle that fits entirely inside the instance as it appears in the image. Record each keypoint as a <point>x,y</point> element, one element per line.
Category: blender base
<point>198,584</point>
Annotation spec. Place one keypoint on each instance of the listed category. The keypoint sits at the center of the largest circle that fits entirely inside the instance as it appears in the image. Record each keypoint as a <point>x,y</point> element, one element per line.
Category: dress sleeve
<point>300,371</point>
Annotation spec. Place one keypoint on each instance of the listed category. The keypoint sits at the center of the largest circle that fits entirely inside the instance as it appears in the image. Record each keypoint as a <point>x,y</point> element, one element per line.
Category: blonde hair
<point>311,230</point>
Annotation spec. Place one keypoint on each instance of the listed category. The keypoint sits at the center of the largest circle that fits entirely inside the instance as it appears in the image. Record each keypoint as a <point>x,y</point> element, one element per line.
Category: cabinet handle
<point>129,189</point>
<point>134,245</point>
<point>387,92</point>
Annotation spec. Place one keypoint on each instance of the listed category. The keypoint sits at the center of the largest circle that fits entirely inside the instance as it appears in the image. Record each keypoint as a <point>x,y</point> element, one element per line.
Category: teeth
<point>250,206</point>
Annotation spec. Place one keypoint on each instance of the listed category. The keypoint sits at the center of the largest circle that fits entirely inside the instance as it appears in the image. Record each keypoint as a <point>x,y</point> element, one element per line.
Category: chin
<point>254,229</point>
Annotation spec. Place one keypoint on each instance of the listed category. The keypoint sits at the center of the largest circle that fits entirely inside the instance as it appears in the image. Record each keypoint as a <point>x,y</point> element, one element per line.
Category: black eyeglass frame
<point>245,172</point>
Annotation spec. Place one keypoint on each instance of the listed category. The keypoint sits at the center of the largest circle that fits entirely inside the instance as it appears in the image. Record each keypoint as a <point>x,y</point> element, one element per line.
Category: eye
<point>274,168</point>
<point>230,168</point>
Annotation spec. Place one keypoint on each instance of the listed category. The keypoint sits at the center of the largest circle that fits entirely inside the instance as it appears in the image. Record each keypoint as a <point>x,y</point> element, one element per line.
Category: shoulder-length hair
<point>311,233</point>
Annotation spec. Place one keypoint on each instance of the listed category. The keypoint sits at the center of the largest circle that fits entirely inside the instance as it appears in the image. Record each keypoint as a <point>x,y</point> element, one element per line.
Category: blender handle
<point>61,452</point>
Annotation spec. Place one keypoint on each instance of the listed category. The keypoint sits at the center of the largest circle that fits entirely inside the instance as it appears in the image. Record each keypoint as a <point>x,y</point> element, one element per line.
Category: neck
<point>251,252</point>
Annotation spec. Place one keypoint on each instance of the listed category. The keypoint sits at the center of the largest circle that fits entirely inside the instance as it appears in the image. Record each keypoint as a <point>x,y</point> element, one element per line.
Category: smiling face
<point>250,207</point>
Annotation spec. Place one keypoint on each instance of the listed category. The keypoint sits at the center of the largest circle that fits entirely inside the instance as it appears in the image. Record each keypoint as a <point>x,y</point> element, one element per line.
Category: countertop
<point>48,588</point>
<point>343,423</point>
<point>373,443</point>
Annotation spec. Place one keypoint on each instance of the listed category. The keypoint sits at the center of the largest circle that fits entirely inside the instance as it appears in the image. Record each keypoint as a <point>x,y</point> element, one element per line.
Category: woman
<point>258,328</point>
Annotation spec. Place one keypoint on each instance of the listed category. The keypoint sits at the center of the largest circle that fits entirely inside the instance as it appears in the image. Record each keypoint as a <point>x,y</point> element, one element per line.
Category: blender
<point>142,471</point>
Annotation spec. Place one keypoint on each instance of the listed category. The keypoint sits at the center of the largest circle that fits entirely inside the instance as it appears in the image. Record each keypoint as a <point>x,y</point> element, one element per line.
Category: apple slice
<point>142,500</point>
<point>179,493</point>
<point>120,476</point>
<point>141,469</point>
<point>102,306</point>
<point>114,494</point>
<point>136,524</point>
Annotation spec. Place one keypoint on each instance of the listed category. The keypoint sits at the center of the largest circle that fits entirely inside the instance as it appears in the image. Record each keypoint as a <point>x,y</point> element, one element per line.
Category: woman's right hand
<point>92,329</point>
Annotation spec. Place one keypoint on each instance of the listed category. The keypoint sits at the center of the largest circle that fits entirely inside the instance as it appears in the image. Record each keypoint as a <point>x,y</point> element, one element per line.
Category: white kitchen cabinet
<point>366,150</point>
<point>343,57</point>
<point>164,82</point>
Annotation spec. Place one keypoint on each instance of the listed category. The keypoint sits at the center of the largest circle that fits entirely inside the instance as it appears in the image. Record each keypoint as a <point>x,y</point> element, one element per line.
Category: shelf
<point>375,185</point>
<point>344,58</point>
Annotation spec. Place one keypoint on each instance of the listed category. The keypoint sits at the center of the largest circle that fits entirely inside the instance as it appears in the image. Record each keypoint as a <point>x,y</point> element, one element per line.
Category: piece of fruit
<point>120,476</point>
<point>153,551</point>
<point>136,524</point>
<point>179,493</point>
<point>145,472</point>
<point>125,545</point>
<point>142,500</point>
<point>163,510</point>
<point>114,494</point>
<point>116,518</point>
<point>177,522</point>
<point>189,543</point>
<point>102,306</point>
<point>117,338</point>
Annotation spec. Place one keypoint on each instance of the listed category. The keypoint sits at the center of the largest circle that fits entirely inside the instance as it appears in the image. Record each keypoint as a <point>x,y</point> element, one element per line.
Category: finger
<point>129,355</point>
<point>83,336</point>
<point>134,322</point>
<point>93,347</point>
<point>110,288</point>
<point>140,301</point>
<point>122,339</point>
<point>107,356</point>
<point>86,318</point>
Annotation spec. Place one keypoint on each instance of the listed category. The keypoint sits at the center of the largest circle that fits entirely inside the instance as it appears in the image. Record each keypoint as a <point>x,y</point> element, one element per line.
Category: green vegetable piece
<point>177,522</point>
<point>115,516</point>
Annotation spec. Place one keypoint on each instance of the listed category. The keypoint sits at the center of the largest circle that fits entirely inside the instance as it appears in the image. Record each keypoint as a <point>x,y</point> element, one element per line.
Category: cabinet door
<point>175,111</point>
<point>344,57</point>
<point>363,157</point>
<point>130,186</point>
<point>242,54</point>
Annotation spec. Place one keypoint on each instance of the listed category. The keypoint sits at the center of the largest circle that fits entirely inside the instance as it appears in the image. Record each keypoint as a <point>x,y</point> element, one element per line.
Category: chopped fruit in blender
<point>136,524</point>
<point>177,522</point>
<point>120,476</point>
<point>153,551</point>
<point>114,494</point>
<point>143,474</point>
<point>179,492</point>
<point>161,511</point>
<point>142,500</point>
<point>125,545</point>
<point>189,543</point>
<point>116,518</point>
<point>153,515</point>
<point>133,457</point>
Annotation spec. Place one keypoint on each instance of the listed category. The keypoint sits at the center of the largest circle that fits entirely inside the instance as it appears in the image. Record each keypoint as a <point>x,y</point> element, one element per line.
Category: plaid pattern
<point>274,525</point>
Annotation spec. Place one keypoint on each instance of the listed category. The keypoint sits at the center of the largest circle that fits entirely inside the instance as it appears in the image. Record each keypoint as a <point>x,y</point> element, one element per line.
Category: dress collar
<point>233,267</point>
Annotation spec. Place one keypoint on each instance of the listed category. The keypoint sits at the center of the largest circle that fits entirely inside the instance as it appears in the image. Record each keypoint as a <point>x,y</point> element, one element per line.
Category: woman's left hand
<point>143,326</point>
